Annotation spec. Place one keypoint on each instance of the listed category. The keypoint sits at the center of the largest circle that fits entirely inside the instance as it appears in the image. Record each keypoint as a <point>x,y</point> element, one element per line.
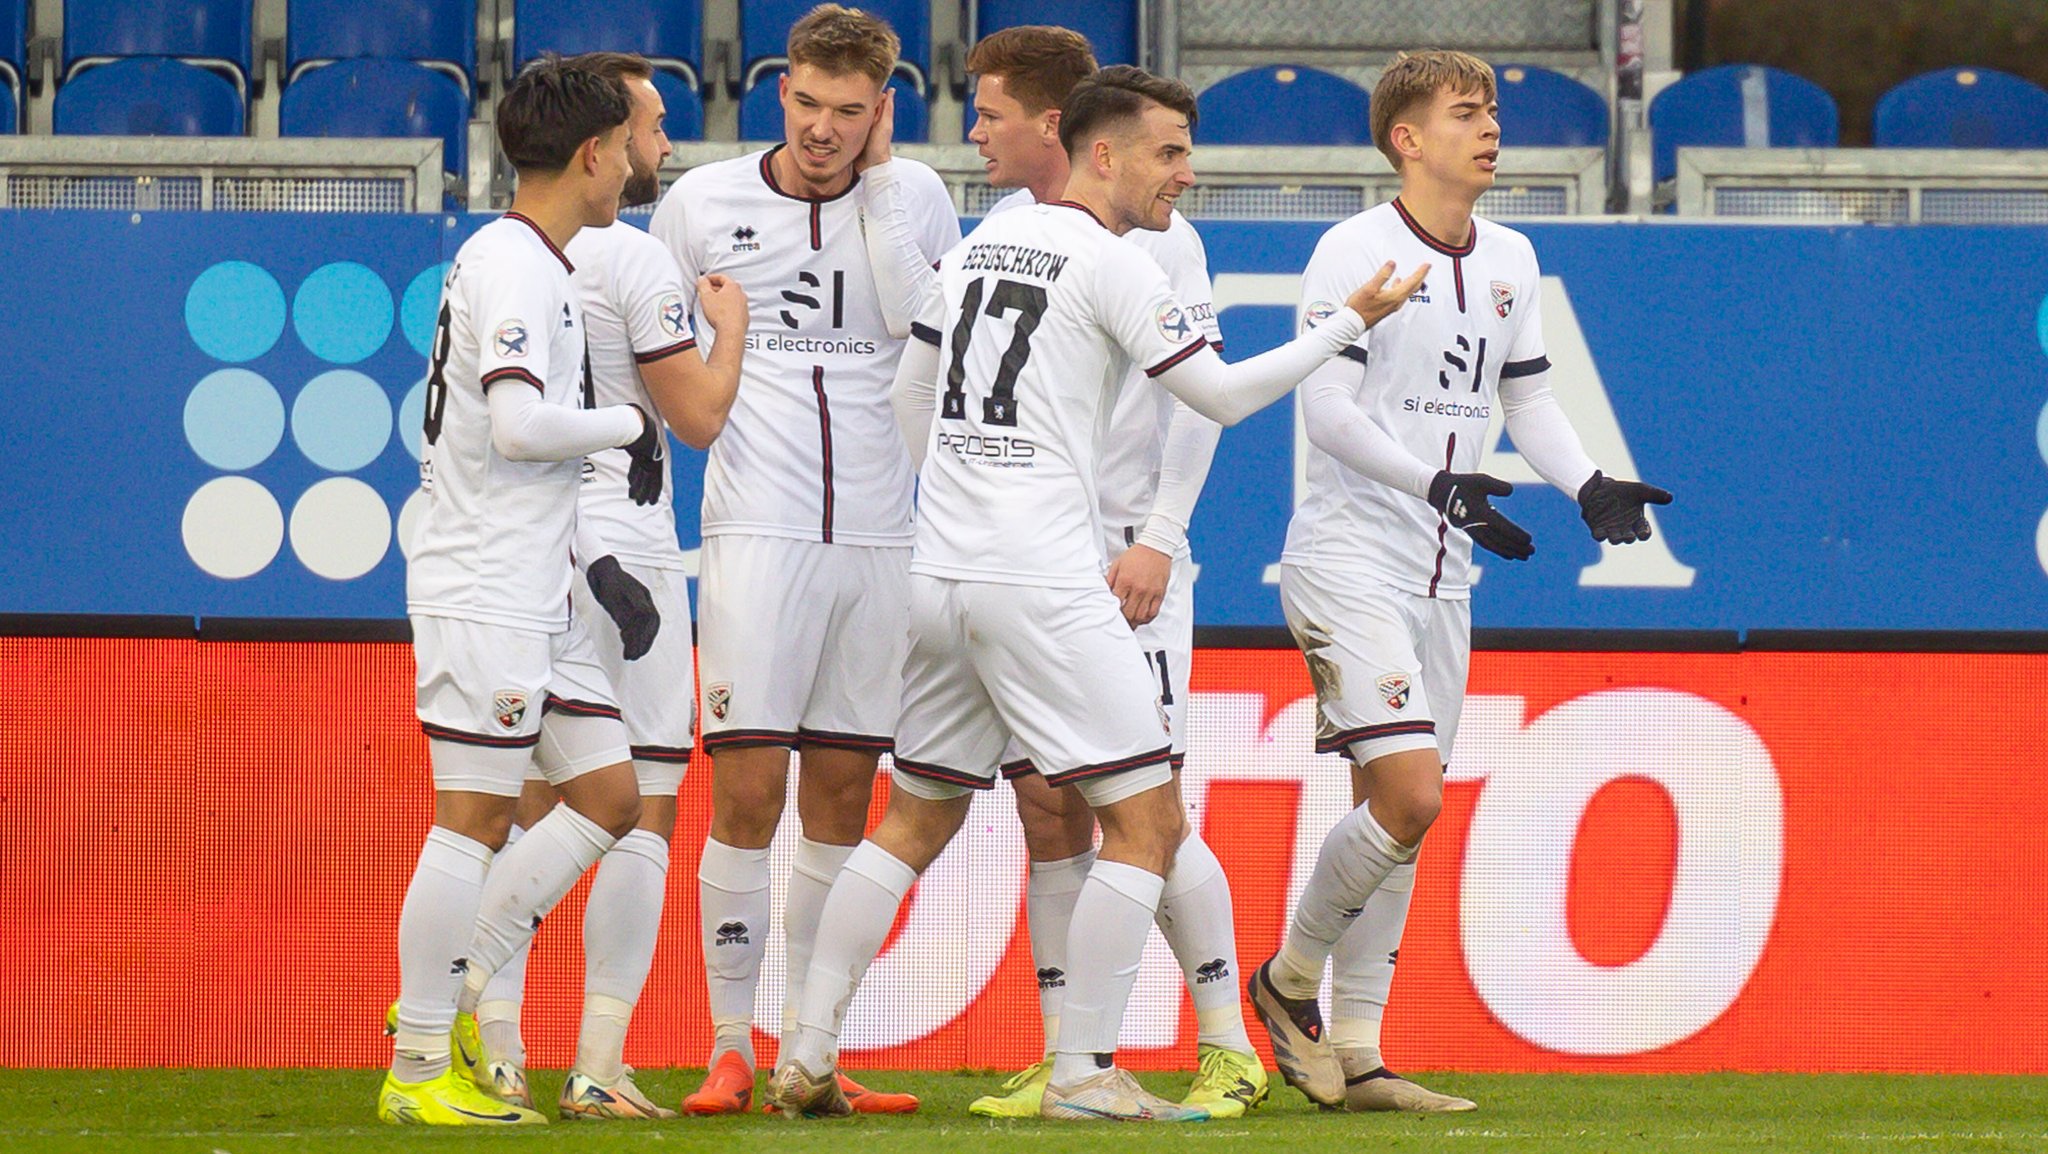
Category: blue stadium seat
<point>440,34</point>
<point>148,96</point>
<point>1963,108</point>
<point>379,98</point>
<point>1544,109</point>
<point>1110,25</point>
<point>10,112</point>
<point>670,33</point>
<point>764,36</point>
<point>13,56</point>
<point>685,119</point>
<point>1740,106</point>
<point>761,110</point>
<point>211,33</point>
<point>1283,104</point>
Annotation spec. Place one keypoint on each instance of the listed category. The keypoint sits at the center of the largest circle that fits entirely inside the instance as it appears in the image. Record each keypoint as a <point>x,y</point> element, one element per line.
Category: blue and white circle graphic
<point>234,419</point>
<point>234,311</point>
<point>343,312</point>
<point>232,527</point>
<point>421,308</point>
<point>341,529</point>
<point>341,420</point>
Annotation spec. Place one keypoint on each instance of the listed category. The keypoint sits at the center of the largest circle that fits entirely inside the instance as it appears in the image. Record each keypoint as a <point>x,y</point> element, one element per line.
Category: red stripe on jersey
<point>1177,358</point>
<point>1077,205</point>
<point>522,218</point>
<point>817,241</point>
<point>825,440</point>
<point>1443,523</point>
<point>510,373</point>
<point>665,353</point>
<point>1422,234</point>
<point>1458,276</point>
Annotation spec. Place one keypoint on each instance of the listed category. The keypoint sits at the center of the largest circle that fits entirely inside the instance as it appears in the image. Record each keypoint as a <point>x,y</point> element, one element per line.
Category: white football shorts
<point>657,691</point>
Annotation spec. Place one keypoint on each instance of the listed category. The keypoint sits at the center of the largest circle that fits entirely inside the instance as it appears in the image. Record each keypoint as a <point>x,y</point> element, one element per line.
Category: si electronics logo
<point>341,420</point>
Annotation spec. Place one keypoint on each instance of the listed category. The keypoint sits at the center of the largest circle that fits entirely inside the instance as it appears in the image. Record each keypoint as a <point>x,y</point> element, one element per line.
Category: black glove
<point>1613,509</point>
<point>628,602</point>
<point>650,463</point>
<point>1462,499</point>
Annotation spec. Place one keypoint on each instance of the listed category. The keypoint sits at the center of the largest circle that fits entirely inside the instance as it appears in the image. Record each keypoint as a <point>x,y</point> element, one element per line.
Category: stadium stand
<point>1740,106</point>
<point>670,35</point>
<point>685,120</point>
<point>379,98</point>
<point>1963,108</point>
<point>440,34</point>
<point>761,110</point>
<point>1284,104</point>
<point>1110,25</point>
<point>1540,108</point>
<point>148,96</point>
<point>213,34</point>
<point>10,111</point>
<point>13,59</point>
<point>764,36</point>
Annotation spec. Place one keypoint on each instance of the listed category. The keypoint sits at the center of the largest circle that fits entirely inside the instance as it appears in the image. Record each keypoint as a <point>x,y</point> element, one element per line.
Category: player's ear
<point>1104,154</point>
<point>1402,136</point>
<point>1049,124</point>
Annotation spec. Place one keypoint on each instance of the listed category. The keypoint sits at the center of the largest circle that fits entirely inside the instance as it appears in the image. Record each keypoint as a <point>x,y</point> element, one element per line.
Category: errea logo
<point>743,239</point>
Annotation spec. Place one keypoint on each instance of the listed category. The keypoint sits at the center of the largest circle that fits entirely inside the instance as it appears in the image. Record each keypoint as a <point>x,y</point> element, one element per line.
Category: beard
<point>642,188</point>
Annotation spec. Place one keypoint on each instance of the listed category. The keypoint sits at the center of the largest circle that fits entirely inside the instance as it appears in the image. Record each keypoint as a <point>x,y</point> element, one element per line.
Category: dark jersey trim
<point>666,754</point>
<point>682,346</point>
<point>1341,741</point>
<point>768,176</point>
<point>485,740</point>
<point>746,739</point>
<point>575,708</point>
<point>526,220</point>
<point>1422,234</point>
<point>1105,768</point>
<point>511,373</point>
<point>825,442</point>
<point>1078,206</point>
<point>1443,523</point>
<point>1353,353</point>
<point>1528,368</point>
<point>865,742</point>
<point>925,333</point>
<point>1184,354</point>
<point>941,773</point>
<point>1021,767</point>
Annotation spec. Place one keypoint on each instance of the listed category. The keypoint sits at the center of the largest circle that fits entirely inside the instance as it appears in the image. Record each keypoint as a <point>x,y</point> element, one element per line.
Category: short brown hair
<point>1039,63</point>
<point>838,40</point>
<point>615,66</point>
<point>1416,78</point>
<point>552,107</point>
<point>1118,92</point>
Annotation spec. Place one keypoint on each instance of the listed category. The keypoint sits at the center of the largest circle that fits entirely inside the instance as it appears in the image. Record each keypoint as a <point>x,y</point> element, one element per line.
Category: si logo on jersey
<point>1316,313</point>
<point>1503,298</point>
<point>510,707</point>
<point>1394,690</point>
<point>718,699</point>
<point>511,339</point>
<point>672,314</point>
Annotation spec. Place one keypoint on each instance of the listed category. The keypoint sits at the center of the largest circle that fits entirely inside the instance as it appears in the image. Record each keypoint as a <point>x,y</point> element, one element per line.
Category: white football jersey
<point>1040,316</point>
<point>635,313</point>
<point>492,544</point>
<point>1136,437</point>
<point>811,450</point>
<point>1429,376</point>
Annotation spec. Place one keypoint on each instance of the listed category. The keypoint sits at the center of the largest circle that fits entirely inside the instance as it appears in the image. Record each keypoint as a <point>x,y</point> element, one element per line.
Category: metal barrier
<point>224,174</point>
<point>1865,185</point>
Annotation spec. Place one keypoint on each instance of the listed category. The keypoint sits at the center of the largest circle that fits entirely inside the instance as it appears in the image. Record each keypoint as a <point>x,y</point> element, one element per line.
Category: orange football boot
<point>728,1088</point>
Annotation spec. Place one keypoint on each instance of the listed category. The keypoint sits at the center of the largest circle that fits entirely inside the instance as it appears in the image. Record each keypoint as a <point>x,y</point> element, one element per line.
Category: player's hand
<point>1138,577</point>
<point>1376,299</point>
<point>725,305</point>
<point>1462,499</point>
<point>628,602</point>
<point>880,134</point>
<point>1613,509</point>
<point>644,477</point>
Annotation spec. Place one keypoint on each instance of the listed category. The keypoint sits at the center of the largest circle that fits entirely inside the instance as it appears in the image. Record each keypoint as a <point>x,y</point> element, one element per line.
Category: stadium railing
<point>228,174</point>
<point>1865,185</point>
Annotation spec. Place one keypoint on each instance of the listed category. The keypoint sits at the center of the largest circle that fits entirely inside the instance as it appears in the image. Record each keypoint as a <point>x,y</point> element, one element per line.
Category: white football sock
<point>525,883</point>
<point>1195,916</point>
<point>858,913</point>
<point>1111,918</point>
<point>810,879</point>
<point>1363,970</point>
<point>620,926</point>
<point>732,900</point>
<point>433,934</point>
<point>497,1012</point>
<point>1355,857</point>
<point>1049,899</point>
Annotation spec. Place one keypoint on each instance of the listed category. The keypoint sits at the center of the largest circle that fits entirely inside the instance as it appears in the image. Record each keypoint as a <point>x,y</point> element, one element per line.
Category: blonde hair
<point>1415,78</point>
<point>839,40</point>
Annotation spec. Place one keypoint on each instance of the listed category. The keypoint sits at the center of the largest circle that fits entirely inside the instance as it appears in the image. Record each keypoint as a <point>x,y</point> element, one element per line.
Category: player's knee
<point>617,813</point>
<point>1408,814</point>
<point>1057,823</point>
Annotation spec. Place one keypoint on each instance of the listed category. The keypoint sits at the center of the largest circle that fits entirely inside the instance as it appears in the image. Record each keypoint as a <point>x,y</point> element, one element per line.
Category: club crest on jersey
<point>1174,324</point>
<point>510,707</point>
<point>718,699</point>
<point>1503,298</point>
<point>1394,690</point>
<point>1316,313</point>
<point>511,339</point>
<point>743,239</point>
<point>672,314</point>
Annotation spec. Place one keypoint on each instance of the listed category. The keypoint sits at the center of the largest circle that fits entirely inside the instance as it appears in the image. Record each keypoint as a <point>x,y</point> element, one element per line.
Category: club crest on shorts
<point>509,705</point>
<point>1394,690</point>
<point>718,699</point>
<point>1503,298</point>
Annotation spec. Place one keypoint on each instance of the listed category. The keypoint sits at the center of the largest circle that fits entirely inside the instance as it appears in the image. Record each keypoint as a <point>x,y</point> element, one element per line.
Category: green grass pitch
<point>262,1111</point>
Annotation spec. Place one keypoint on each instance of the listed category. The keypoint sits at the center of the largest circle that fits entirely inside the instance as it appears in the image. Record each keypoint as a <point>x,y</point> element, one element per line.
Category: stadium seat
<point>1740,106</point>
<point>685,106</point>
<point>211,33</point>
<point>670,34</point>
<point>13,58</point>
<point>1963,108</point>
<point>379,98</point>
<point>761,110</point>
<point>10,112</point>
<point>1544,109</point>
<point>1283,104</point>
<point>440,34</point>
<point>764,36</point>
<point>148,96</point>
<point>1110,25</point>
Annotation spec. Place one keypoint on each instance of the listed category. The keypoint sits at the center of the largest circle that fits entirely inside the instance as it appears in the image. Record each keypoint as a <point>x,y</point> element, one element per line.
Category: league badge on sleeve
<point>1503,298</point>
<point>1174,324</point>
<point>1316,313</point>
<point>511,339</point>
<point>673,316</point>
<point>1394,691</point>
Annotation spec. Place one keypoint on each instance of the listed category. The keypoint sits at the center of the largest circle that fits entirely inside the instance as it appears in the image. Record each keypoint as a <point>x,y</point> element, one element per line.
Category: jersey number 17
<point>1000,406</point>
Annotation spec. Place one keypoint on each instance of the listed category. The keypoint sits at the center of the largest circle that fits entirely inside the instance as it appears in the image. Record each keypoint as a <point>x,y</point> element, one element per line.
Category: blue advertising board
<point>218,415</point>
